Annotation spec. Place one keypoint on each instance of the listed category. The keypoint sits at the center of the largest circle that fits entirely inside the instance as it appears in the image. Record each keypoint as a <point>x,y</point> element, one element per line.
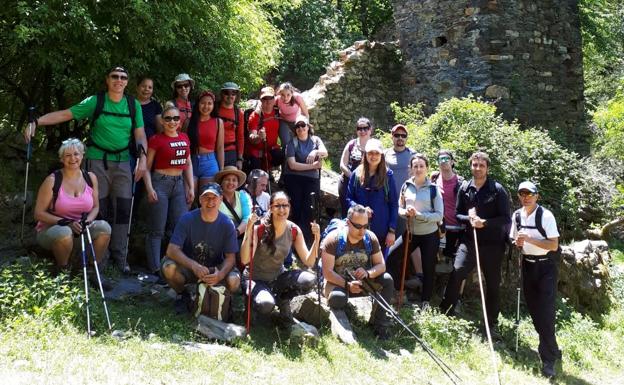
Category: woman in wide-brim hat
<point>236,204</point>
<point>182,87</point>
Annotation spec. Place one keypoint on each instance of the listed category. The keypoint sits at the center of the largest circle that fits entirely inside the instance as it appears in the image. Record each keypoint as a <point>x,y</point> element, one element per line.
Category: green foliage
<point>56,52</point>
<point>573,188</point>
<point>441,331</point>
<point>28,289</point>
<point>609,119</point>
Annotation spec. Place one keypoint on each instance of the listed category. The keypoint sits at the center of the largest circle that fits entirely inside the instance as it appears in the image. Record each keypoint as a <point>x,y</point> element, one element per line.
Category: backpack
<point>99,110</point>
<point>341,225</point>
<point>433,191</point>
<point>212,301</point>
<point>538,226</point>
<point>58,180</point>
<point>236,120</point>
<point>262,227</point>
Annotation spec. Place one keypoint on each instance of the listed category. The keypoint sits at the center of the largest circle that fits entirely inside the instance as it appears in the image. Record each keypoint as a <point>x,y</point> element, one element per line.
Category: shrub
<point>574,188</point>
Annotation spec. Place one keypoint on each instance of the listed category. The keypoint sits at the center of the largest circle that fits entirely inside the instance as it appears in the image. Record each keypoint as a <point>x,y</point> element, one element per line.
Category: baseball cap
<point>212,188</point>
<point>267,91</point>
<point>398,127</point>
<point>302,118</point>
<point>230,86</point>
<point>374,145</point>
<point>529,186</point>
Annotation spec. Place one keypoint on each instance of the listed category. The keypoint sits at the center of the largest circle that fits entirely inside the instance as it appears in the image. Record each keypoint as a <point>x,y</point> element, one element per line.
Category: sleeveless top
<point>71,207</point>
<point>207,133</point>
<point>268,265</point>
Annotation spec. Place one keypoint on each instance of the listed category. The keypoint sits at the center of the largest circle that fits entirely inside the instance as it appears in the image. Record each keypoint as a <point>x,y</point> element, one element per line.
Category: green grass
<point>37,348</point>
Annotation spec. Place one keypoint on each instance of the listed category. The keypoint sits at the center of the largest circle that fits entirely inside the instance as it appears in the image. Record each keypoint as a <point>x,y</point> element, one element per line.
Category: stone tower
<point>524,55</point>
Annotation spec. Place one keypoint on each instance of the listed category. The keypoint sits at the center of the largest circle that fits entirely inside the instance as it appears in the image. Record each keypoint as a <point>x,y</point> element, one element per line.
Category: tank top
<point>208,130</point>
<point>268,265</point>
<point>71,207</point>
<point>287,111</point>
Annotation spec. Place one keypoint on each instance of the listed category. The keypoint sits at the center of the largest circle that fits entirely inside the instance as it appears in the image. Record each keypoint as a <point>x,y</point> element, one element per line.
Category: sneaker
<point>183,303</point>
<point>548,369</point>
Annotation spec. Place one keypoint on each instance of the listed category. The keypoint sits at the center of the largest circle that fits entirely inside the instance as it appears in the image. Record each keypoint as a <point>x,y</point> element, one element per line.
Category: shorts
<point>189,276</point>
<point>205,165</point>
<point>47,237</point>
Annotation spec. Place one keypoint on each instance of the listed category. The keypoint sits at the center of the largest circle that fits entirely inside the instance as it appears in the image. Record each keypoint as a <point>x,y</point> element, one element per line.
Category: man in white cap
<point>534,232</point>
<point>202,248</point>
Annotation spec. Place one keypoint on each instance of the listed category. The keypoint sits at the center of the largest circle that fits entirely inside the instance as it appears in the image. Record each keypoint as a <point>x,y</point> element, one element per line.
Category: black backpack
<point>99,110</point>
<point>58,180</point>
<point>538,226</point>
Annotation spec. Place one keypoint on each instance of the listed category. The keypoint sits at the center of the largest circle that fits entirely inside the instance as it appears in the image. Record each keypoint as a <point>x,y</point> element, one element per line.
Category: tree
<point>56,52</point>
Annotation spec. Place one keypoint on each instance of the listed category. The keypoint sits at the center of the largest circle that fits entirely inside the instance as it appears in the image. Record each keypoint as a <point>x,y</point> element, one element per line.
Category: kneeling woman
<point>270,242</point>
<point>59,214</point>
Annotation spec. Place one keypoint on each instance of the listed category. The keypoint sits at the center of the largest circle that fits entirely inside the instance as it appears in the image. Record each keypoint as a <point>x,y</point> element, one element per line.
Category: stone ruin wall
<point>523,54</point>
<point>362,82</point>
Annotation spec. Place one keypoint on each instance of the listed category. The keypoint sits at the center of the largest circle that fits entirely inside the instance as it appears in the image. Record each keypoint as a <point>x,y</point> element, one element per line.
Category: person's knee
<point>169,271</point>
<point>264,302</point>
<point>337,300</point>
<point>232,282</point>
<point>306,281</point>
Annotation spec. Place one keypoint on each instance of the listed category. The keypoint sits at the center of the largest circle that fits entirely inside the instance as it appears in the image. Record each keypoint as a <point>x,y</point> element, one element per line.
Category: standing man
<point>262,150</point>
<point>534,232</point>
<point>233,125</point>
<point>398,160</point>
<point>482,204</point>
<point>355,248</point>
<point>115,118</point>
<point>202,248</point>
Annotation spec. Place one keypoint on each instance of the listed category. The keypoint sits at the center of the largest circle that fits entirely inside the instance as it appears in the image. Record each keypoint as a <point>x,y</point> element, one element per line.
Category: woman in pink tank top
<point>58,220</point>
<point>290,104</point>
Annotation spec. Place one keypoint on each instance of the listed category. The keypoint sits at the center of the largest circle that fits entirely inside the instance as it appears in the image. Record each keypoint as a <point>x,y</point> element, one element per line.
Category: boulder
<point>306,308</point>
<point>303,333</point>
<point>341,327</point>
<point>219,330</point>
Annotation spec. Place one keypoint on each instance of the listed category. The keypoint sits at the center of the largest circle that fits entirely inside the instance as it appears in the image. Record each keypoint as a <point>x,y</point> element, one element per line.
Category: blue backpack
<point>341,225</point>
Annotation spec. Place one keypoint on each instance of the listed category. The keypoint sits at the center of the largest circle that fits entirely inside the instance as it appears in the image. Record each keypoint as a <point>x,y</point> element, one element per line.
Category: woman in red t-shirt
<point>206,134</point>
<point>170,185</point>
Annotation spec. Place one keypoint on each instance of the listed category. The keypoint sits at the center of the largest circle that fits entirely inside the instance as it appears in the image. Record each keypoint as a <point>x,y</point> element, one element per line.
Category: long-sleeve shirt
<point>492,204</point>
<point>426,222</point>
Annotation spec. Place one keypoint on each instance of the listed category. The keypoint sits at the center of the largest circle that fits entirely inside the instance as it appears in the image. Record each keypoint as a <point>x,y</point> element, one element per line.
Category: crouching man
<point>202,249</point>
<point>356,249</point>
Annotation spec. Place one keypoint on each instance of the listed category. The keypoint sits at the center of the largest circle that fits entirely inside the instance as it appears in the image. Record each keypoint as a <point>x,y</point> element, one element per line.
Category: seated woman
<point>169,185</point>
<point>236,204</point>
<point>257,182</point>
<point>269,243</point>
<point>59,213</point>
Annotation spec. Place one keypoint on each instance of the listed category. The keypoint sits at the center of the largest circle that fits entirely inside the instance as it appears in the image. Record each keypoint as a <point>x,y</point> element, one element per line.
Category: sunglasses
<point>362,128</point>
<point>401,136</point>
<point>300,125</point>
<point>169,119</point>
<point>71,141</point>
<point>282,206</point>
<point>525,194</point>
<point>444,159</point>
<point>359,226</point>
<point>185,85</point>
<point>229,93</point>
<point>118,77</point>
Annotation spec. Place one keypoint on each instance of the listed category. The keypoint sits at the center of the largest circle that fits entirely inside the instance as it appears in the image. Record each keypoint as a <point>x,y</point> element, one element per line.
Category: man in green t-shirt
<point>108,154</point>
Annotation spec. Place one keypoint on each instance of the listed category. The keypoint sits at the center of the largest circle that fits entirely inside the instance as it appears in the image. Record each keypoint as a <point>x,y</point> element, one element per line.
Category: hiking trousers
<point>265,295</point>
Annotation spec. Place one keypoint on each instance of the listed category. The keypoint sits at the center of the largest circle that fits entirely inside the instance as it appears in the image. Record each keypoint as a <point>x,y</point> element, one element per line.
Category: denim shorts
<point>205,165</point>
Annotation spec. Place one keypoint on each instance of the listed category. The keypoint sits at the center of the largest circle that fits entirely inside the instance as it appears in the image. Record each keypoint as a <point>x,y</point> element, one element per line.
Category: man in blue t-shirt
<point>202,248</point>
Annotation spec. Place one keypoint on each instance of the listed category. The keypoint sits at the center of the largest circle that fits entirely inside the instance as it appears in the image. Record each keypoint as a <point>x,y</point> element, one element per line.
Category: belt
<point>535,258</point>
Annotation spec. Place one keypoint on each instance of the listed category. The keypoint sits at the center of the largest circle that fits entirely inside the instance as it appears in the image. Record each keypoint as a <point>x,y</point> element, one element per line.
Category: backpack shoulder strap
<point>99,107</point>
<point>433,191</point>
<point>517,220</point>
<point>58,180</point>
<point>434,176</point>
<point>342,242</point>
<point>460,180</point>
<point>132,111</point>
<point>293,232</point>
<point>538,221</point>
<point>368,245</point>
<point>86,176</point>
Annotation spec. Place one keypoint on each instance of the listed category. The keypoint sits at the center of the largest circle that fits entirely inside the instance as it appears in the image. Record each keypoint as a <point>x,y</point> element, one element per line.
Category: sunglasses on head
<point>362,128</point>
<point>183,85</point>
<point>169,119</point>
<point>401,136</point>
<point>118,77</point>
<point>359,226</point>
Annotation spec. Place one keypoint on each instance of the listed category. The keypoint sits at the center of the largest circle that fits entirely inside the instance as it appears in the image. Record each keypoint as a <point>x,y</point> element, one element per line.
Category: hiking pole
<point>86,285</point>
<point>406,241</point>
<point>267,164</point>
<point>369,288</point>
<point>519,288</point>
<point>315,207</point>
<point>85,228</point>
<point>136,167</point>
<point>485,317</point>
<point>250,279</point>
<point>31,119</point>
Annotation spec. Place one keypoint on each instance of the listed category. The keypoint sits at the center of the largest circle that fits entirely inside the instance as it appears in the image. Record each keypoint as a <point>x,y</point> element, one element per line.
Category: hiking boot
<point>182,304</point>
<point>382,333</point>
<point>285,314</point>
<point>124,268</point>
<point>548,369</point>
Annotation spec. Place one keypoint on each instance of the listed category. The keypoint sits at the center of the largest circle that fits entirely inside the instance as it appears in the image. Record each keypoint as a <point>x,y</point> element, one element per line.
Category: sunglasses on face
<point>185,85</point>
<point>169,119</point>
<point>282,206</point>
<point>444,159</point>
<point>300,125</point>
<point>525,194</point>
<point>362,128</point>
<point>400,136</point>
<point>229,93</point>
<point>119,77</point>
<point>359,226</point>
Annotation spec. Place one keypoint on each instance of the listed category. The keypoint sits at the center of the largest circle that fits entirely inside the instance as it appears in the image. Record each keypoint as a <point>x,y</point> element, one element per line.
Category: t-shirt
<point>270,125</point>
<point>171,152</point>
<point>399,163</point>
<point>290,112</point>
<point>208,130</point>
<point>233,137</point>
<point>150,110</point>
<point>205,242</point>
<point>447,187</point>
<point>269,264</point>
<point>299,149</point>
<point>186,110</point>
<point>109,131</point>
<point>354,255</point>
<point>548,223</point>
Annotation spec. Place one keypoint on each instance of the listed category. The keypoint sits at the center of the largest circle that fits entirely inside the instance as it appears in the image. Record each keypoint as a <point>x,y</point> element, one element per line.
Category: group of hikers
<point>243,237</point>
